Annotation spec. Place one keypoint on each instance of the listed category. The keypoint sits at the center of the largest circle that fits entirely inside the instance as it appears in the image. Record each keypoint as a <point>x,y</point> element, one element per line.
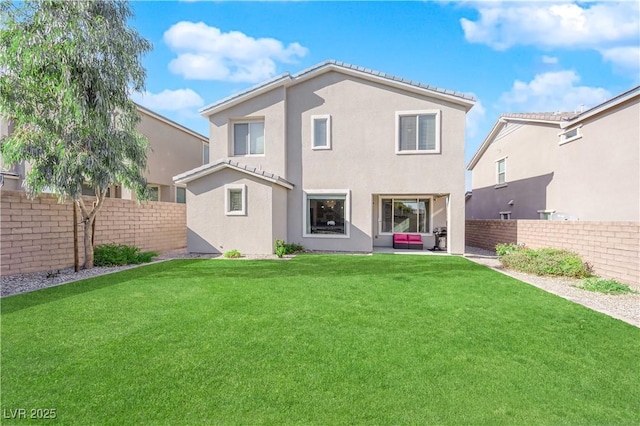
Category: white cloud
<point>552,91</point>
<point>474,118</point>
<point>601,26</point>
<point>549,59</point>
<point>169,100</point>
<point>206,53</point>
<point>625,58</point>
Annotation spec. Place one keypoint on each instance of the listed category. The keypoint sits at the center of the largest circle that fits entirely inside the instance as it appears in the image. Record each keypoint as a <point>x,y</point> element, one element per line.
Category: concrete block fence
<point>611,248</point>
<point>37,235</point>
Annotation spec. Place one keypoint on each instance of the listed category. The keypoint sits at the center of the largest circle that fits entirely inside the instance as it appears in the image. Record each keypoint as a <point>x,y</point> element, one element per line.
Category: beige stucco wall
<point>269,107</point>
<point>531,152</point>
<point>363,159</point>
<point>171,152</point>
<point>594,178</point>
<point>598,175</point>
<point>210,230</point>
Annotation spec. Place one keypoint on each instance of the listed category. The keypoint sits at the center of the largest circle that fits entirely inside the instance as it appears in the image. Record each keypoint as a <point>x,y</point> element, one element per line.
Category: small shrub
<point>506,248</point>
<point>120,254</point>
<point>282,248</point>
<point>545,261</point>
<point>53,274</point>
<point>233,254</point>
<point>602,285</point>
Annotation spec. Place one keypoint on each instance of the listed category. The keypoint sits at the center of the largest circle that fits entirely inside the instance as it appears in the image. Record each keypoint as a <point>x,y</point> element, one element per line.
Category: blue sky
<point>512,56</point>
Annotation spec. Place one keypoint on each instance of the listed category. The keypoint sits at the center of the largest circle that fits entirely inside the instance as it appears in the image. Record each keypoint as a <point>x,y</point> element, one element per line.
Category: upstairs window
<point>248,138</point>
<point>501,171</point>
<point>418,132</point>
<point>570,135</point>
<point>321,132</point>
<point>505,215</point>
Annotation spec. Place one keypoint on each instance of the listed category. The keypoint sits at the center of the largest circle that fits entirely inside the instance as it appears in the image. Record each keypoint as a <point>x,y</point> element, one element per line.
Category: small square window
<point>321,132</point>
<point>235,200</point>
<point>505,215</point>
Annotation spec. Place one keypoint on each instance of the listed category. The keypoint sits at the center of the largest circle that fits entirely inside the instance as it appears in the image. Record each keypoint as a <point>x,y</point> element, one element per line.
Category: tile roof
<point>386,76</point>
<point>544,116</point>
<point>224,163</point>
<point>286,77</point>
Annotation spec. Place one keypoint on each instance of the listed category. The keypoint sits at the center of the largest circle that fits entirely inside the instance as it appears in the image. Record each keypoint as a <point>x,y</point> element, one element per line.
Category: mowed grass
<point>320,339</point>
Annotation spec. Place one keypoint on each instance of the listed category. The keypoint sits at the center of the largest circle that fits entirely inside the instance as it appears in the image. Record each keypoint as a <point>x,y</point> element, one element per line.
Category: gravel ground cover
<point>623,307</point>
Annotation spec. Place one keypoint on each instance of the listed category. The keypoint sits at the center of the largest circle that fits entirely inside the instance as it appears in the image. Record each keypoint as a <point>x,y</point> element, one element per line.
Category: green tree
<point>66,71</point>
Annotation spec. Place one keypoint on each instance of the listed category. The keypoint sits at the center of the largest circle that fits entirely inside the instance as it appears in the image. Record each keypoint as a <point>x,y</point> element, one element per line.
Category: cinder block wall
<point>611,248</point>
<point>37,235</point>
<point>486,234</point>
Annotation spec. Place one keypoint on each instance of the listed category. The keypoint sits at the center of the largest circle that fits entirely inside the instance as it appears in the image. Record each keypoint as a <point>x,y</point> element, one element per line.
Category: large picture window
<point>326,214</point>
<point>248,138</point>
<point>406,215</point>
<point>418,132</point>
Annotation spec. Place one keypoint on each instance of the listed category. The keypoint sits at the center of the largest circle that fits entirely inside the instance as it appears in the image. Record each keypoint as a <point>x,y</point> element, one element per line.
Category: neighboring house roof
<point>216,166</point>
<point>561,119</point>
<point>287,80</point>
<point>171,123</point>
<point>538,116</point>
<point>608,104</point>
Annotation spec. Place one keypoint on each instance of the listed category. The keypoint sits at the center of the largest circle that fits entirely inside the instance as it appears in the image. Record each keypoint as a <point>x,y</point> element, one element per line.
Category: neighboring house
<point>565,166</point>
<point>336,157</point>
<point>172,149</point>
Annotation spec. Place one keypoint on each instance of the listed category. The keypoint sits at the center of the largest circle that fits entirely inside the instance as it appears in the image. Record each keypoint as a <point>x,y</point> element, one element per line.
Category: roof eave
<point>170,122</point>
<point>611,103</point>
<point>382,79</point>
<point>192,175</point>
<point>242,97</point>
<point>485,144</point>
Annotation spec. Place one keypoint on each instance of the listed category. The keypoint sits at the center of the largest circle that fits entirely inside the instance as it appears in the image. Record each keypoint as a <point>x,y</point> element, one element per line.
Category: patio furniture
<point>407,241</point>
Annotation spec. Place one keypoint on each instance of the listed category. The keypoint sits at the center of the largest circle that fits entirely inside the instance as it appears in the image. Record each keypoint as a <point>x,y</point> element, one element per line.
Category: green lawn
<point>320,339</point>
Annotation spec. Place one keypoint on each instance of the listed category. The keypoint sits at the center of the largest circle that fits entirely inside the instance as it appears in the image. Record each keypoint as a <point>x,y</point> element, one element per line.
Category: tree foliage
<point>66,71</point>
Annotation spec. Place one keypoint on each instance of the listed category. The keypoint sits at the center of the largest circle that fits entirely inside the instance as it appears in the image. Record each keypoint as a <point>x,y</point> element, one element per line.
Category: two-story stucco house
<point>572,166</point>
<point>173,148</point>
<point>336,157</point>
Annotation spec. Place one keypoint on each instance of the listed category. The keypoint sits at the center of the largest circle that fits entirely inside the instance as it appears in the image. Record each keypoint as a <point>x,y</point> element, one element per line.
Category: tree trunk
<point>88,243</point>
<point>88,218</point>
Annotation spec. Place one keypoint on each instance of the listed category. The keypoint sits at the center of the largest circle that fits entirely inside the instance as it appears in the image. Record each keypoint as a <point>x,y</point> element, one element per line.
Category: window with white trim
<point>320,132</point>
<point>418,132</point>
<point>326,213</point>
<point>248,138</point>
<point>569,135</point>
<point>405,214</point>
<point>505,215</point>
<point>545,214</point>
<point>501,171</point>
<point>235,199</point>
